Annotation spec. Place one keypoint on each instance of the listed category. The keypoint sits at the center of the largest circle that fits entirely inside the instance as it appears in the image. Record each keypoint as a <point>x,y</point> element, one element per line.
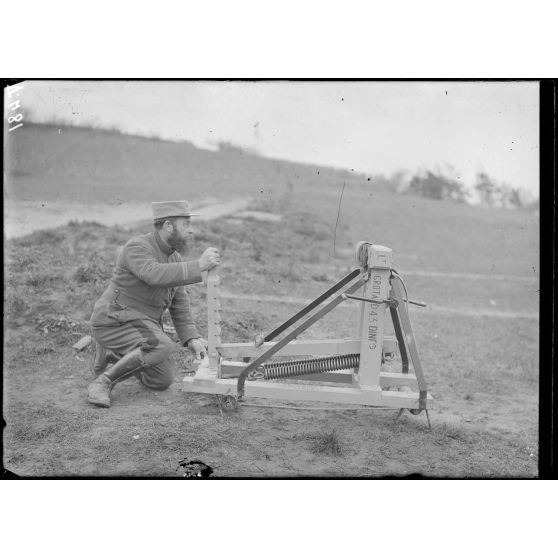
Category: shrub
<point>93,271</point>
<point>38,280</point>
<point>494,194</point>
<point>309,226</point>
<point>14,305</point>
<point>437,187</point>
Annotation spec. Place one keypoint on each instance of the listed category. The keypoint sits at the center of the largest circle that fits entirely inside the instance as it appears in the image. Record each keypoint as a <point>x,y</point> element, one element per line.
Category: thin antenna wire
<point>337,220</point>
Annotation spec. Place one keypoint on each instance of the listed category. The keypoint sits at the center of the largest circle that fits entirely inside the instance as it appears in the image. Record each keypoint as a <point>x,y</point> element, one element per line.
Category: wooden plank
<point>231,369</point>
<point>374,318</point>
<point>323,347</point>
<point>213,318</point>
<point>304,392</point>
<point>394,379</point>
<point>393,398</point>
<point>387,379</point>
<point>289,391</point>
<point>205,374</point>
<point>294,348</point>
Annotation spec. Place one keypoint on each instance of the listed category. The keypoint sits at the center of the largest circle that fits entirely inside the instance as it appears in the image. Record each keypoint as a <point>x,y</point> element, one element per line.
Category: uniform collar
<point>162,244</point>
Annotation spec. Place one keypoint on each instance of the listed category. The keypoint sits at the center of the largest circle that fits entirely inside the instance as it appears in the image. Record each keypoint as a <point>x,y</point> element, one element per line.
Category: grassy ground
<point>481,369</point>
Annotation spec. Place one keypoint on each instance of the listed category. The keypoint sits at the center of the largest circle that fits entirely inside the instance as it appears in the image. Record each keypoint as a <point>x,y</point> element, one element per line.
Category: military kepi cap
<point>172,209</point>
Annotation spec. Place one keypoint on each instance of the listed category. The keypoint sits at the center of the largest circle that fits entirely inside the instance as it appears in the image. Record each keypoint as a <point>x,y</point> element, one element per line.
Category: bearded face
<point>178,242</point>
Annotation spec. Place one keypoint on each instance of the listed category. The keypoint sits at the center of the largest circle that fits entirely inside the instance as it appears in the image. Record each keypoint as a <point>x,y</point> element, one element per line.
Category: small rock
<point>135,437</point>
<point>82,343</point>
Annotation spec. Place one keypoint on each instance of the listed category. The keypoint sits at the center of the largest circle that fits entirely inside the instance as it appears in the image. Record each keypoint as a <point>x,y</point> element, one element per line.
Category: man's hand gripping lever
<point>209,259</point>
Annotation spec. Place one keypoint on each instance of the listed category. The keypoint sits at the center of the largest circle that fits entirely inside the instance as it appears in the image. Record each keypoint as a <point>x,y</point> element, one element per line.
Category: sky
<point>461,128</point>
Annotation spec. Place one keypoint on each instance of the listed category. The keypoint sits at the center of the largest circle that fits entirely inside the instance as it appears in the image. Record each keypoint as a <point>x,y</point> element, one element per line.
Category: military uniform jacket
<point>149,278</point>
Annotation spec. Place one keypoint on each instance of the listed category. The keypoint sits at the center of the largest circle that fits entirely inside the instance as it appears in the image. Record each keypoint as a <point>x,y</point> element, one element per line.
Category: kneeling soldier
<point>149,278</point>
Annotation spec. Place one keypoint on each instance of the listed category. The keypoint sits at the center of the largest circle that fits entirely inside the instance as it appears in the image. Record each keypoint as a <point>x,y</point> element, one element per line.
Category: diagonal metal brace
<point>391,302</point>
<point>292,320</point>
<point>295,333</point>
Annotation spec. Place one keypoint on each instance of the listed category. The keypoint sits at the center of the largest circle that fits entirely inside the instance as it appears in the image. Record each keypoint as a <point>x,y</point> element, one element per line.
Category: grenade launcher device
<point>347,371</point>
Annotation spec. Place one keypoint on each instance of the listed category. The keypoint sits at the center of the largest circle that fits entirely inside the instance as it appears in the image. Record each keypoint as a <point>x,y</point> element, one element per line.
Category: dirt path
<point>435,309</point>
<point>443,274</point>
<point>23,218</point>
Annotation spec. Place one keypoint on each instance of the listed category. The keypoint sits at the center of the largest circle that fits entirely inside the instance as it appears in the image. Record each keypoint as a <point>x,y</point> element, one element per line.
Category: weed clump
<point>289,272</point>
<point>39,238</point>
<point>85,274</point>
<point>59,327</point>
<point>321,278</point>
<point>258,249</point>
<point>118,236</point>
<point>184,360</point>
<point>38,280</point>
<point>91,272</point>
<point>450,430</point>
<point>326,442</point>
<point>309,226</point>
<point>14,305</point>
<point>75,224</point>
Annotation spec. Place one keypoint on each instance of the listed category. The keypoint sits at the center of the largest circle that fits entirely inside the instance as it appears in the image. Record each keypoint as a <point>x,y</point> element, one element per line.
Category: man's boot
<point>99,390</point>
<point>103,357</point>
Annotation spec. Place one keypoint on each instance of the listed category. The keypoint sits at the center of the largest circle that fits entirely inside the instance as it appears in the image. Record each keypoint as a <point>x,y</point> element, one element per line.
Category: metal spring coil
<point>287,369</point>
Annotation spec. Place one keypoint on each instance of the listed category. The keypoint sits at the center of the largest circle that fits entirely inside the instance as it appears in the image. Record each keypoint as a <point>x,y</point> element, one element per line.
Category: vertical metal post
<point>400,339</point>
<point>400,296</point>
<point>374,319</point>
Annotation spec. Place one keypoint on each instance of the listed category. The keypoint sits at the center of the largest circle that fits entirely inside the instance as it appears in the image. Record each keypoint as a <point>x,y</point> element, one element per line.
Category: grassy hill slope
<point>89,165</point>
<point>66,164</point>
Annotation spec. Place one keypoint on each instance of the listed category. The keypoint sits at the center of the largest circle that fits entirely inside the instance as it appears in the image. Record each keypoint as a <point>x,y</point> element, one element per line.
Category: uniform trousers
<point>156,348</point>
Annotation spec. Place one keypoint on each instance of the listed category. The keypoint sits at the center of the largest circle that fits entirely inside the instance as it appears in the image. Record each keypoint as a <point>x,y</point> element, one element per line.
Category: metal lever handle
<point>416,303</point>
<point>390,301</point>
